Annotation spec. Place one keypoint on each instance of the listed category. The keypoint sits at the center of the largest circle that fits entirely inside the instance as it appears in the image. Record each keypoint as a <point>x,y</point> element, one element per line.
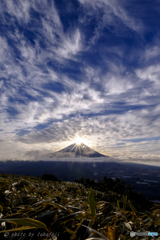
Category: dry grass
<point>70,210</point>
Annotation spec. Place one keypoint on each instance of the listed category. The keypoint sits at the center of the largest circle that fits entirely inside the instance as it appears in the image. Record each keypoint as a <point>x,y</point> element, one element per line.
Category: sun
<point>78,140</point>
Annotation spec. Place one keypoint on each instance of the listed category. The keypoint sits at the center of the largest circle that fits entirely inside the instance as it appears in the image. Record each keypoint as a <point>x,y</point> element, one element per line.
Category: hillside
<point>43,209</point>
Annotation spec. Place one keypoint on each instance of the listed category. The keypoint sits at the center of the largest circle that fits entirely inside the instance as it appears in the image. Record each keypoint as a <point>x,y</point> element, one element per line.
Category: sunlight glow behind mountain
<point>78,140</point>
<point>75,151</point>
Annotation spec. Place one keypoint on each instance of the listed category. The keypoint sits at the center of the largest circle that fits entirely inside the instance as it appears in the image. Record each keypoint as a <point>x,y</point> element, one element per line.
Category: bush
<point>49,177</point>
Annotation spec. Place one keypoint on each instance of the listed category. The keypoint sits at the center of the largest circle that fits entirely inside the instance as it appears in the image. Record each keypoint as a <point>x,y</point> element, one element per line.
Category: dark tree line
<point>120,187</point>
<point>49,177</point>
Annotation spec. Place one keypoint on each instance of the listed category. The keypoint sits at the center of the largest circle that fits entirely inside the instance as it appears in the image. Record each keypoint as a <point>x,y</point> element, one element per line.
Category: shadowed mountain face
<point>75,150</point>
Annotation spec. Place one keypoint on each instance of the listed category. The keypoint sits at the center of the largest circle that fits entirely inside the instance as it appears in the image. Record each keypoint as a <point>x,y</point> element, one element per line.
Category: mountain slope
<point>75,150</point>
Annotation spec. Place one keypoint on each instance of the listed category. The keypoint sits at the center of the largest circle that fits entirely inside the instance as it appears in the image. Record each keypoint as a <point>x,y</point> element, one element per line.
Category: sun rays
<point>79,143</point>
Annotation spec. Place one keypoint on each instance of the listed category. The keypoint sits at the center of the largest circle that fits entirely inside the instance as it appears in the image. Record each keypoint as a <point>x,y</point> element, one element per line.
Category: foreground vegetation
<point>45,208</point>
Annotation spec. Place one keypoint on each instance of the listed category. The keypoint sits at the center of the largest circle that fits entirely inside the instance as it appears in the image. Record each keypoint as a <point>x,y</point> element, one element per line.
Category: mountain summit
<point>76,150</point>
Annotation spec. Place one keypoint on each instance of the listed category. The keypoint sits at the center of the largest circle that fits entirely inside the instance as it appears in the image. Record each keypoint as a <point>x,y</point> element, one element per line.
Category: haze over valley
<point>78,160</point>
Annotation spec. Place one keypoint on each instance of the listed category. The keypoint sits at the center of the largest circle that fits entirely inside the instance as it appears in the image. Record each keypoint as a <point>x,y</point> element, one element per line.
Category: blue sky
<point>80,67</point>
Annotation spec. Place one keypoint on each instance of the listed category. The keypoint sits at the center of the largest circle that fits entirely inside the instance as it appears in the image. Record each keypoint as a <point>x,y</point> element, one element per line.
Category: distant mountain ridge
<point>75,150</point>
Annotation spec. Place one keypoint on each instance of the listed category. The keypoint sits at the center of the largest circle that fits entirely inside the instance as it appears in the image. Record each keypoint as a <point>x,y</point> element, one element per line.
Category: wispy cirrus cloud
<point>111,15</point>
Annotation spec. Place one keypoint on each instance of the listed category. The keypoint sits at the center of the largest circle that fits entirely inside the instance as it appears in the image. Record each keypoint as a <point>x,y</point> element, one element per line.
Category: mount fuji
<point>75,151</point>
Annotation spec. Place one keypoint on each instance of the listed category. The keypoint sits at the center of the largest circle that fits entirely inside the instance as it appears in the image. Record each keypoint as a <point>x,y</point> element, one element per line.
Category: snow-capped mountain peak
<point>76,150</point>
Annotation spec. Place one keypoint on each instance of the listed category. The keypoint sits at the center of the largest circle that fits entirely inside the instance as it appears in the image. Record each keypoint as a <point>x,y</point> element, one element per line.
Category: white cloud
<point>71,45</point>
<point>19,9</point>
<point>152,73</point>
<point>117,86</point>
<point>114,14</point>
<point>152,52</point>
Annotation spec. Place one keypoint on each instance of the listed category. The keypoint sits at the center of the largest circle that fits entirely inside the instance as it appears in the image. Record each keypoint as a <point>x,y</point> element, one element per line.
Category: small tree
<point>49,177</point>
